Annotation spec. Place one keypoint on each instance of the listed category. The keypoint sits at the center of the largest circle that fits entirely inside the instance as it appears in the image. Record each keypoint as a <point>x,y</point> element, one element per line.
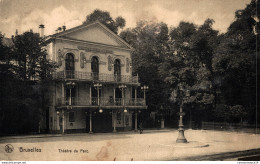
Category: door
<point>102,122</point>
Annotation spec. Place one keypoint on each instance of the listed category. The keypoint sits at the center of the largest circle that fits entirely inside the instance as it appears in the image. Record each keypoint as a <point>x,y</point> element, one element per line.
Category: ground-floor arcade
<point>93,119</point>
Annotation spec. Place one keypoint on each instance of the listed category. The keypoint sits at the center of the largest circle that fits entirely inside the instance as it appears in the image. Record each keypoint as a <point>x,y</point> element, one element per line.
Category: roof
<point>80,27</point>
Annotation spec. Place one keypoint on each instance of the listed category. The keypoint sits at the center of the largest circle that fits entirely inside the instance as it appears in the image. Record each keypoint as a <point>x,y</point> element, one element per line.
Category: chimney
<point>41,27</point>
<point>63,28</point>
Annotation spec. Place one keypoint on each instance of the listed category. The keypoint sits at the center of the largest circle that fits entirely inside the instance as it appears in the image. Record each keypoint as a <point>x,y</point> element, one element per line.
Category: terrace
<point>94,101</point>
<point>99,77</point>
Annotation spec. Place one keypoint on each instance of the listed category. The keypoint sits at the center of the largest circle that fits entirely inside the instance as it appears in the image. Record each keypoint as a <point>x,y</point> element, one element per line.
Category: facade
<point>93,89</point>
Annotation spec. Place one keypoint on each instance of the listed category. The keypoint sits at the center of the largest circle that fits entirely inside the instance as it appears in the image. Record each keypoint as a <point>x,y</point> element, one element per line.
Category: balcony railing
<point>94,76</point>
<point>80,101</point>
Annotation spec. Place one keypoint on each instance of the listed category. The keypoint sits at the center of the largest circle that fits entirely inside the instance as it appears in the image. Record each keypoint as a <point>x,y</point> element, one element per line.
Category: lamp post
<point>181,138</point>
<point>70,85</point>
<point>144,88</point>
<point>162,115</point>
<point>122,87</point>
<point>97,86</point>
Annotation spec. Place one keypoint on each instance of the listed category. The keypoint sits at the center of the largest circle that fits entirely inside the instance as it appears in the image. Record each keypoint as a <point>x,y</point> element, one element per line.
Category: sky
<point>24,15</point>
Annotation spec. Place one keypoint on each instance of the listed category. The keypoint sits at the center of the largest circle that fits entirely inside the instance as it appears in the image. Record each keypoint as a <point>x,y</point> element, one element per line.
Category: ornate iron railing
<point>80,101</point>
<point>94,76</point>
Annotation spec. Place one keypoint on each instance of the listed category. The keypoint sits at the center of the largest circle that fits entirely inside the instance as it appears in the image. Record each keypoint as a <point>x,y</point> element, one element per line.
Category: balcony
<point>90,76</point>
<point>80,101</point>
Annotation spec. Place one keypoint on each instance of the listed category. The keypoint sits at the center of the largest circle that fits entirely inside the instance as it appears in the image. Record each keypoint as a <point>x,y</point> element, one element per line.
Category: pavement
<point>152,145</point>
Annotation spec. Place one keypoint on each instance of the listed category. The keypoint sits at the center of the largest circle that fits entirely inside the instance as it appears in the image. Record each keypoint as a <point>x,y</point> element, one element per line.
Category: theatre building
<point>93,89</point>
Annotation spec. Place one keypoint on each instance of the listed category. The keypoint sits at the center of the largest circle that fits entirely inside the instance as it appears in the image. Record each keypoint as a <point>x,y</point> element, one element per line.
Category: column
<point>114,95</point>
<point>90,123</point>
<point>78,98</point>
<point>135,95</point>
<point>123,95</point>
<point>98,95</point>
<point>136,121</point>
<point>63,124</point>
<point>144,97</point>
<point>62,92</point>
<point>123,121</point>
<point>90,102</point>
<point>114,122</point>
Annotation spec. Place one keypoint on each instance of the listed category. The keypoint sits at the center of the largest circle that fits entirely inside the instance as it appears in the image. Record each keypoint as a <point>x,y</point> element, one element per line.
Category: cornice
<point>87,44</point>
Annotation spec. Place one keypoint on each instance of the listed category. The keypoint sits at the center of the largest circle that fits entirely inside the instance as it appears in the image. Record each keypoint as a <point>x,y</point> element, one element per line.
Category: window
<point>117,70</point>
<point>69,65</point>
<point>95,67</point>
<point>71,116</point>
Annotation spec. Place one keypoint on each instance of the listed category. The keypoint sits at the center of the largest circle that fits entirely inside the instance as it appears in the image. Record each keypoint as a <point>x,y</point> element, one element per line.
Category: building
<point>93,90</point>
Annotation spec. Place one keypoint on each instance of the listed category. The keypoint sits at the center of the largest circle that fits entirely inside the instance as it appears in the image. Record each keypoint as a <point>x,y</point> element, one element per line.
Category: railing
<point>94,76</point>
<point>102,101</point>
<point>225,125</point>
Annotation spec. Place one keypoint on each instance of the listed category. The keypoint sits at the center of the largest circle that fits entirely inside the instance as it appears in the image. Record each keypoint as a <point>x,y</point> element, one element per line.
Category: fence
<point>226,126</point>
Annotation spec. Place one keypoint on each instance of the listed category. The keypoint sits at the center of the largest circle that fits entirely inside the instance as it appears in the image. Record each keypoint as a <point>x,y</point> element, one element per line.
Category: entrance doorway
<point>101,123</point>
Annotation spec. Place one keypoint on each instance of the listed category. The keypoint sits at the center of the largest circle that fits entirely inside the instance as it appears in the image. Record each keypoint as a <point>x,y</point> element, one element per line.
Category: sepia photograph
<point>129,80</point>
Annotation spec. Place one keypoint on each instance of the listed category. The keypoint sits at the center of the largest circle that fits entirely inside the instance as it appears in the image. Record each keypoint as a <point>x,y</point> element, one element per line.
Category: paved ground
<point>152,145</point>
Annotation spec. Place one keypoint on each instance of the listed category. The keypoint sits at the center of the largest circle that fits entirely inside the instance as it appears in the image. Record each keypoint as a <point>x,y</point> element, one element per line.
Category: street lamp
<point>162,116</point>
<point>144,88</point>
<point>70,85</point>
<point>125,110</point>
<point>97,86</point>
<point>122,87</point>
<point>181,138</point>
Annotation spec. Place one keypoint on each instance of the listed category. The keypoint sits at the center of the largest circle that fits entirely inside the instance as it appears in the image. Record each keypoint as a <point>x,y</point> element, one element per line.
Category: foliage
<point>150,46</point>
<point>235,60</point>
<point>23,63</point>
<point>189,61</point>
<point>105,18</point>
<point>30,55</point>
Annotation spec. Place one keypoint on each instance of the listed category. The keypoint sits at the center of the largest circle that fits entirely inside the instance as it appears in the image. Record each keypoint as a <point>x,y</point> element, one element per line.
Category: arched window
<point>117,70</point>
<point>69,64</point>
<point>95,68</point>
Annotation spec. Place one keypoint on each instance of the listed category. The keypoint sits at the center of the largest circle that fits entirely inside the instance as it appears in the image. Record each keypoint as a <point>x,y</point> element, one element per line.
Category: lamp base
<point>181,138</point>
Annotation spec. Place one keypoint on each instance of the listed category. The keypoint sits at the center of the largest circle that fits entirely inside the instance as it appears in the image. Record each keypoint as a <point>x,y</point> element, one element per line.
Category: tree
<point>149,41</point>
<point>30,54</point>
<point>188,64</point>
<point>105,18</point>
<point>24,69</point>
<point>235,60</point>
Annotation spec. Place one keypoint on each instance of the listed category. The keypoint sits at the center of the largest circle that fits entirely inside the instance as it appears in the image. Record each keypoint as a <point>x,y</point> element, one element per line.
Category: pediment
<point>94,33</point>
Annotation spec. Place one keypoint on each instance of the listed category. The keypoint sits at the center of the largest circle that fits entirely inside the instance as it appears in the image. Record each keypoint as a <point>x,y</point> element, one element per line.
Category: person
<point>141,127</point>
<point>158,124</point>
